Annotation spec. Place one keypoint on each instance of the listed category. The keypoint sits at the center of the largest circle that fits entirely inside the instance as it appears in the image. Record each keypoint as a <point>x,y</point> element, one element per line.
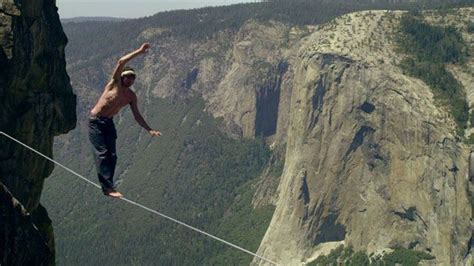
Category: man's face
<point>128,80</point>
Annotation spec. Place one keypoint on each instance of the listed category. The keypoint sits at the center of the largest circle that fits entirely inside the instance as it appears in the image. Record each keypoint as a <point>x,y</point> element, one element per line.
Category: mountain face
<point>371,160</point>
<point>37,104</point>
<point>364,155</point>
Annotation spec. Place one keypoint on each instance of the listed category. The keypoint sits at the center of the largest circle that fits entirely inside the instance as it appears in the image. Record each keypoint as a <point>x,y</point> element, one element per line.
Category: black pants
<point>103,135</point>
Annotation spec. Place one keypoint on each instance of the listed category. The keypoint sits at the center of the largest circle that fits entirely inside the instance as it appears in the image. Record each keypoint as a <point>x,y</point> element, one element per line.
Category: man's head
<point>128,76</point>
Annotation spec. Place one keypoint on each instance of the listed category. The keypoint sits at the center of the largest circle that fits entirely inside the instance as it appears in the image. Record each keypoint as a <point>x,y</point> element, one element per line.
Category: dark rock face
<point>21,242</point>
<point>37,104</point>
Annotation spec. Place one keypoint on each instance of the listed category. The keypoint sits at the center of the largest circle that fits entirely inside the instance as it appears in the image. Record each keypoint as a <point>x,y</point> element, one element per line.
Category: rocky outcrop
<point>22,242</point>
<point>371,160</point>
<point>37,104</point>
<point>240,77</point>
<point>248,96</point>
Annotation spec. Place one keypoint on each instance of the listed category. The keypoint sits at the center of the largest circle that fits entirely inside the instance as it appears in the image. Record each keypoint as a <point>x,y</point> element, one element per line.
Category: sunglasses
<point>129,76</point>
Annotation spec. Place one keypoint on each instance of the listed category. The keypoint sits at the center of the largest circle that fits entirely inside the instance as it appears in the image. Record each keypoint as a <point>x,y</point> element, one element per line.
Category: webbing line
<point>138,204</point>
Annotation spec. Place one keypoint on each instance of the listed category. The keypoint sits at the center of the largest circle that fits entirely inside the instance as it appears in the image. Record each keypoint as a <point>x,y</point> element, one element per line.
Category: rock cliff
<point>37,104</point>
<point>371,160</point>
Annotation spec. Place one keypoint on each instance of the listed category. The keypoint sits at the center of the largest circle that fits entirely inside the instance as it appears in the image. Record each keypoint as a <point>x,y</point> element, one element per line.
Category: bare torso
<point>112,100</point>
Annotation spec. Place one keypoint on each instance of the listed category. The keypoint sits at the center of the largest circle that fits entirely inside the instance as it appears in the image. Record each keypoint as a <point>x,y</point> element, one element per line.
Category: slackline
<point>141,206</point>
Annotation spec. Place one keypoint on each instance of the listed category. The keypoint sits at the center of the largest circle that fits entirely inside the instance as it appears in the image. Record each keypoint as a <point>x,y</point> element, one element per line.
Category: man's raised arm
<point>124,59</point>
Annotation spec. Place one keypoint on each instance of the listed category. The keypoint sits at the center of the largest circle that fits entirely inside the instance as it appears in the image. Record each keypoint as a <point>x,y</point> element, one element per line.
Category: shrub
<point>360,258</point>
<point>406,257</point>
<point>429,48</point>
<point>470,27</point>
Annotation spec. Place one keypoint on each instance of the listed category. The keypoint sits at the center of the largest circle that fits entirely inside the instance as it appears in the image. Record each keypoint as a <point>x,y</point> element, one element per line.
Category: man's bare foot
<point>113,193</point>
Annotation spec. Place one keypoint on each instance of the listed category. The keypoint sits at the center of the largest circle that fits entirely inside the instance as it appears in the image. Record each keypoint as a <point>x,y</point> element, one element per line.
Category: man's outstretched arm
<point>124,59</point>
<point>140,120</point>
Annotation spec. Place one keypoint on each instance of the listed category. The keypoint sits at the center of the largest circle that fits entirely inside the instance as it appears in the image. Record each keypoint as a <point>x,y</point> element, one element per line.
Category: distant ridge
<point>84,19</point>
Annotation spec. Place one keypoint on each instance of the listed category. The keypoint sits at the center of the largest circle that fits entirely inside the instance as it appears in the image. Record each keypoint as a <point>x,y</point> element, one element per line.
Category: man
<point>102,133</point>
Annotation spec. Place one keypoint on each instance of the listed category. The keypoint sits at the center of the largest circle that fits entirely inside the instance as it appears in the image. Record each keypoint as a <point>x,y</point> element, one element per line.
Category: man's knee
<point>106,156</point>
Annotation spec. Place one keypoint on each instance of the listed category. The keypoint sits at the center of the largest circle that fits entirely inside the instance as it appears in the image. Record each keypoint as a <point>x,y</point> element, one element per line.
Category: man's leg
<point>110,143</point>
<point>104,155</point>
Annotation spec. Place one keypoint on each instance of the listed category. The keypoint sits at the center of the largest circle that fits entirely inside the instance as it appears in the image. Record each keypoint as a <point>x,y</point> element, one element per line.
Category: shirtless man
<point>102,133</point>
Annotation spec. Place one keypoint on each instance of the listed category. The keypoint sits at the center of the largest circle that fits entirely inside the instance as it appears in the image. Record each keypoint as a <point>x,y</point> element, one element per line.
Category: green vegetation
<point>406,257</point>
<point>330,259</point>
<point>194,173</point>
<point>346,256</point>
<point>237,225</point>
<point>429,48</point>
<point>470,27</point>
<point>359,258</point>
<point>433,44</point>
<point>470,139</point>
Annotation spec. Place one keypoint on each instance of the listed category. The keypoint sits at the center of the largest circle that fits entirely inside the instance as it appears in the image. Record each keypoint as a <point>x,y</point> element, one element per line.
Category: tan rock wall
<point>371,161</point>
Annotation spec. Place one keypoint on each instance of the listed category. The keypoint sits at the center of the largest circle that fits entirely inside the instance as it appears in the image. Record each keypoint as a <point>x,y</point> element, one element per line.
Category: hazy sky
<point>130,8</point>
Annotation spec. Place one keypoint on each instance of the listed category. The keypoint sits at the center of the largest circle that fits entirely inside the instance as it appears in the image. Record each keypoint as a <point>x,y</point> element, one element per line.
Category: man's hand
<point>124,59</point>
<point>154,133</point>
<point>144,48</point>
